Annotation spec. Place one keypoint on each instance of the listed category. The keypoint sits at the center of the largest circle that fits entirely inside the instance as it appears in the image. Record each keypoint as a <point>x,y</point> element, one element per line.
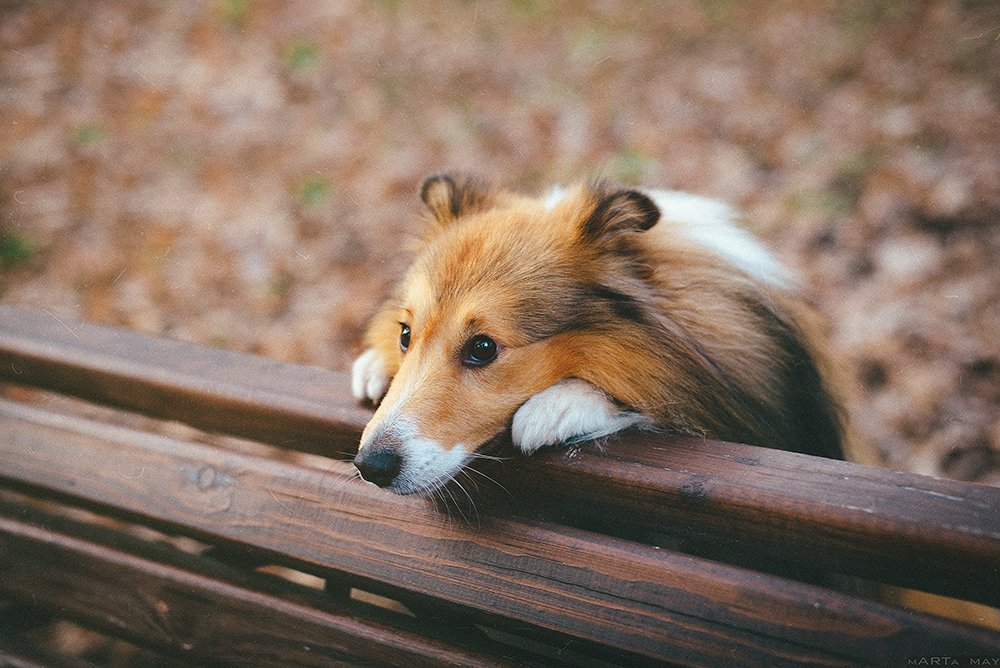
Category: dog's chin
<point>423,483</point>
<point>418,483</point>
<point>408,487</point>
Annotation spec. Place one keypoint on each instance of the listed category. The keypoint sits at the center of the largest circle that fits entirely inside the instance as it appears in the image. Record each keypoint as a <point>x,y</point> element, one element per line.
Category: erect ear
<point>618,212</point>
<point>449,197</point>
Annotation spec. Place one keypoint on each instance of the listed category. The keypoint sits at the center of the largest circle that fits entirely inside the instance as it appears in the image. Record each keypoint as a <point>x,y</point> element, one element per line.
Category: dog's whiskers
<point>492,458</point>
<point>467,471</point>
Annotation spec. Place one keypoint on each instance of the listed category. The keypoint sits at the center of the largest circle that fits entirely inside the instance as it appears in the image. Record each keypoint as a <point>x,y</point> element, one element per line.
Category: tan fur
<point>706,360</point>
<point>596,288</point>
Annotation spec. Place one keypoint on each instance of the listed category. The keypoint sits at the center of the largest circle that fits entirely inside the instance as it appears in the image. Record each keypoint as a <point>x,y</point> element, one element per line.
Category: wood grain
<point>17,652</point>
<point>937,535</point>
<point>642,600</point>
<point>198,610</point>
<point>294,406</point>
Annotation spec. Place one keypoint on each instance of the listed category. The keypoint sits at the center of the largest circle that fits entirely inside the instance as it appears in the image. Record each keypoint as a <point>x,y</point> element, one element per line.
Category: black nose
<point>379,466</point>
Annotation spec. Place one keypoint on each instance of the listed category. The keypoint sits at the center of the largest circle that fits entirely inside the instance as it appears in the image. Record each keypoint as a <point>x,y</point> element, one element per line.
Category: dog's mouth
<point>421,466</point>
<point>428,477</point>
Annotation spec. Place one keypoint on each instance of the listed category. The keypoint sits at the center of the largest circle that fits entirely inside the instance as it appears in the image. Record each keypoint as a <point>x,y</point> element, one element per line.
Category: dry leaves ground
<point>243,173</point>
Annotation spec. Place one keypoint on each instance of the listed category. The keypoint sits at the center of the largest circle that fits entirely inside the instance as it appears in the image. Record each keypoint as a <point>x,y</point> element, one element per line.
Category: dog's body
<point>579,314</point>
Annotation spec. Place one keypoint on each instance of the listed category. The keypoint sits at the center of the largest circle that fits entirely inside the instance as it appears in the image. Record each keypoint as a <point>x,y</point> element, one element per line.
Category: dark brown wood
<point>938,535</point>
<point>16,652</point>
<point>300,407</point>
<point>654,603</point>
<point>198,610</point>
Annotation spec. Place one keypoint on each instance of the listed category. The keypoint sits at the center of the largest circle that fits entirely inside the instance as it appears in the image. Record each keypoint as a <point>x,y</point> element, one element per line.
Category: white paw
<point>369,377</point>
<point>571,410</point>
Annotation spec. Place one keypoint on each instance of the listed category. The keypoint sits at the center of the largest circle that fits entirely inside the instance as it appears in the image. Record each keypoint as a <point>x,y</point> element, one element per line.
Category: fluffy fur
<point>609,308</point>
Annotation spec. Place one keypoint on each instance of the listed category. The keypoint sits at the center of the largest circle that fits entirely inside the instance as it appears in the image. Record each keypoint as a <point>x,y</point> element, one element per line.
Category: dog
<point>579,313</point>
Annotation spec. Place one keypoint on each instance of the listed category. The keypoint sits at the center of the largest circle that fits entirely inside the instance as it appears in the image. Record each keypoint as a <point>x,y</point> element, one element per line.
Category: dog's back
<point>730,347</point>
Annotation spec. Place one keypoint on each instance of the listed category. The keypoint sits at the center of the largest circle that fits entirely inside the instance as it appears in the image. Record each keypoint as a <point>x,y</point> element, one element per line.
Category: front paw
<point>369,377</point>
<point>569,411</point>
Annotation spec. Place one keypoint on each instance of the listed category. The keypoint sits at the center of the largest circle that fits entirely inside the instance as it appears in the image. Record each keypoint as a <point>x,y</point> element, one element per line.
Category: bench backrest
<point>647,549</point>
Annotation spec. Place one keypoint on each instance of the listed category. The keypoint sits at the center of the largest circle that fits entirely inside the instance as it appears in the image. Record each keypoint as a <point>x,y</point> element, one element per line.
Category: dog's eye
<point>404,336</point>
<point>479,351</point>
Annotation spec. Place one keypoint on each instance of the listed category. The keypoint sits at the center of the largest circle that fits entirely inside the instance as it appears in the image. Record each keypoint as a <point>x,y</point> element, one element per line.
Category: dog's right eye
<point>404,336</point>
<point>479,351</point>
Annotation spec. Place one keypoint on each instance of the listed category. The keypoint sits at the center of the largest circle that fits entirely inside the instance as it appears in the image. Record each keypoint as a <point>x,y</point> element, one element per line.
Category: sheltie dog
<point>577,314</point>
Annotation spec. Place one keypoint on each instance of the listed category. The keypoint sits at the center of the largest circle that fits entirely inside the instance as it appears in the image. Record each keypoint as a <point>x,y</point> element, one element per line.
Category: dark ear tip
<point>648,212</point>
<point>619,211</point>
<point>433,181</point>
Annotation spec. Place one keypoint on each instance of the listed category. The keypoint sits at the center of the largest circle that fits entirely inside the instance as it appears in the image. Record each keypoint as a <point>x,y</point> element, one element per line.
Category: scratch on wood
<point>279,501</point>
<point>931,492</point>
<point>62,322</point>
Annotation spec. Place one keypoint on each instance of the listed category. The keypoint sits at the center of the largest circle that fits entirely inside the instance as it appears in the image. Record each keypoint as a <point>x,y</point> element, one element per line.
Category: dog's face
<point>488,315</point>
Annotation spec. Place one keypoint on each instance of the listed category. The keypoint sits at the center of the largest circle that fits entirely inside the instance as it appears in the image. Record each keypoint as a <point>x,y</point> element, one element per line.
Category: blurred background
<point>244,174</point>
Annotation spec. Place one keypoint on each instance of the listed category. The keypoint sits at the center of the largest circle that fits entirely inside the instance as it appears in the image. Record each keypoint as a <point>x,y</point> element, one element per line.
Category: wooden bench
<point>211,518</point>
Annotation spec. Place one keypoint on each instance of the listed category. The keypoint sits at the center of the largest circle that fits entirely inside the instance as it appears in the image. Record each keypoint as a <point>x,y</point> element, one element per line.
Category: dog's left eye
<point>479,351</point>
<point>404,336</point>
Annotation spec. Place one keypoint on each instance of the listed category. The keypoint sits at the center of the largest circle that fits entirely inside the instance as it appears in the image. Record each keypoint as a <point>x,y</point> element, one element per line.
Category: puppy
<point>577,314</point>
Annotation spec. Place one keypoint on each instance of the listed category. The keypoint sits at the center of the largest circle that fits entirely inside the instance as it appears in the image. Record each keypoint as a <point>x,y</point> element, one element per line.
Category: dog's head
<point>498,305</point>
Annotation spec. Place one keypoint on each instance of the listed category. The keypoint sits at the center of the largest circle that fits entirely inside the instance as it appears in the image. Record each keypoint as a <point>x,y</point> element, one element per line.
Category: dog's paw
<point>571,410</point>
<point>369,377</point>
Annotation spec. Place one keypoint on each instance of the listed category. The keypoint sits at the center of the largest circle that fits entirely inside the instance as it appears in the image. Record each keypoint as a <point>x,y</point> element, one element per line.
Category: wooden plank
<point>288,405</point>
<point>654,603</point>
<point>17,652</point>
<point>199,610</point>
<point>914,531</point>
<point>938,535</point>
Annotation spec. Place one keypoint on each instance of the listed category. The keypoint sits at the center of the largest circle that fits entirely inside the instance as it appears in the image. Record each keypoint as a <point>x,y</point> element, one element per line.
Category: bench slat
<point>184,604</point>
<point>300,407</point>
<point>834,515</point>
<point>20,653</point>
<point>909,530</point>
<point>636,598</point>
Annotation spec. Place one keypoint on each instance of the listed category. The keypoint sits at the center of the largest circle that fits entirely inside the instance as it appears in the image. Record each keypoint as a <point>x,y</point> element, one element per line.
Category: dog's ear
<point>616,212</point>
<point>449,197</point>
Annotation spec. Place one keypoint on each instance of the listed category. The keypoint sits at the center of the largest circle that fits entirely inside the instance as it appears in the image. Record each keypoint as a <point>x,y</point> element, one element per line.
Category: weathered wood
<point>915,531</point>
<point>19,653</point>
<point>199,610</point>
<point>937,535</point>
<point>299,407</point>
<point>654,603</point>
